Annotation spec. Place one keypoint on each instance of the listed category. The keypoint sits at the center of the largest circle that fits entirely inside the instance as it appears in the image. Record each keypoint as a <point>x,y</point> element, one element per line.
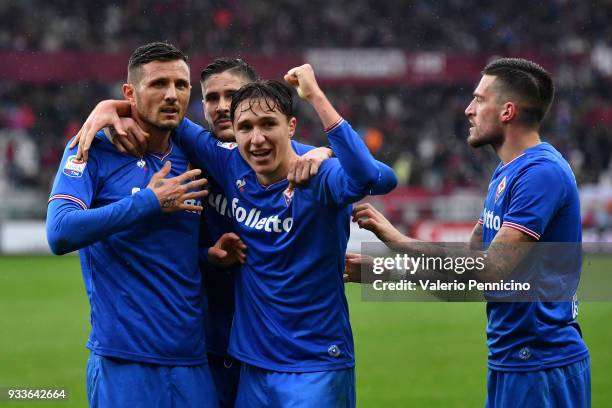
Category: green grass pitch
<point>408,354</point>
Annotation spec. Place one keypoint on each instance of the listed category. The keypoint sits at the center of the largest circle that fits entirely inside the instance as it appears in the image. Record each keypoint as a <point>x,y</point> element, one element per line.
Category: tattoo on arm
<point>476,237</point>
<point>159,183</point>
<point>506,251</point>
<point>168,202</point>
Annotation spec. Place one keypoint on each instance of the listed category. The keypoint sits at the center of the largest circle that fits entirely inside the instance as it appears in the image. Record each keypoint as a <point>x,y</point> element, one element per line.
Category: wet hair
<point>527,82</point>
<point>276,95</point>
<point>236,66</point>
<point>155,51</point>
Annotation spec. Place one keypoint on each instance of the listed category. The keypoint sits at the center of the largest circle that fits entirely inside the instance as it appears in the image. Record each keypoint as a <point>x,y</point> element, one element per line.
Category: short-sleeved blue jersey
<point>291,312</point>
<point>140,266</point>
<point>535,193</point>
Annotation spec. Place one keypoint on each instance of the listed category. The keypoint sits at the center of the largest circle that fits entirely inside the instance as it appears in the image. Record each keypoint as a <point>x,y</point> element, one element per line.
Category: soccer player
<point>137,231</point>
<point>537,357</point>
<point>291,328</point>
<point>219,81</point>
<point>291,323</point>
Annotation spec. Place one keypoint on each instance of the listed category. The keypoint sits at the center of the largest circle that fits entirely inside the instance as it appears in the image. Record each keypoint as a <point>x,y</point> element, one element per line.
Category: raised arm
<point>361,172</point>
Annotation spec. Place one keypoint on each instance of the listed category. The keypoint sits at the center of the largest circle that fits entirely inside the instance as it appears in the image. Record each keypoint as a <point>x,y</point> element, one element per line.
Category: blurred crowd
<point>558,26</point>
<point>419,130</point>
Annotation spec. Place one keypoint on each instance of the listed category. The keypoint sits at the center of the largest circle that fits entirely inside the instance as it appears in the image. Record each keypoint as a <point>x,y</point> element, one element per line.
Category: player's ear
<point>509,112</point>
<point>292,125</point>
<point>128,92</point>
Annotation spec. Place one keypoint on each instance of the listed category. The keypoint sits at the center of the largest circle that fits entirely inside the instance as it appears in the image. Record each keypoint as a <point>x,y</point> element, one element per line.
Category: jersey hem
<point>539,366</point>
<point>521,228</point>
<point>307,368</point>
<point>335,125</point>
<point>148,359</point>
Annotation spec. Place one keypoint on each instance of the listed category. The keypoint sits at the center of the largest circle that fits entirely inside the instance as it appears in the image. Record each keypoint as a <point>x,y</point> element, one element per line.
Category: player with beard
<point>291,323</point>
<point>137,232</point>
<point>221,250</point>
<point>537,357</point>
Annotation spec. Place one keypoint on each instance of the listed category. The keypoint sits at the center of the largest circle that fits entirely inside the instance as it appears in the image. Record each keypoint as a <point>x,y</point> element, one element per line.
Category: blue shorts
<point>321,389</point>
<point>225,372</point>
<point>567,386</point>
<point>119,383</point>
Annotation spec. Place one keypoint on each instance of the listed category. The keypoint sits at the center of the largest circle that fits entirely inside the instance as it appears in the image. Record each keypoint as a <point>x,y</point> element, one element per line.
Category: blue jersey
<point>140,266</point>
<point>291,312</point>
<point>535,193</point>
<point>219,282</point>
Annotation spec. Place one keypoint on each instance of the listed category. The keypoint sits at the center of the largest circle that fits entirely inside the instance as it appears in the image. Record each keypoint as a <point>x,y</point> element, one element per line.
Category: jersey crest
<point>500,188</point>
<point>288,195</point>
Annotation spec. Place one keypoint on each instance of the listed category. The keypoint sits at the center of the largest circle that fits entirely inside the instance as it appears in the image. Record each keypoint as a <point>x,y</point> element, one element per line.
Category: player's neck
<point>515,144</point>
<point>159,141</point>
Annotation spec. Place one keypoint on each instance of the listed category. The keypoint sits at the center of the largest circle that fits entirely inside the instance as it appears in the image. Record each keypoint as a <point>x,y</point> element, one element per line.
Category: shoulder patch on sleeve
<point>74,167</point>
<point>227,145</point>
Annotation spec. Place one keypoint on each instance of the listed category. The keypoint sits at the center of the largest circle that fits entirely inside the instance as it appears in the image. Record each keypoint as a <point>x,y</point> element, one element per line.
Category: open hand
<point>368,217</point>
<point>228,250</point>
<point>134,140</point>
<point>174,193</point>
<point>104,114</point>
<point>307,166</point>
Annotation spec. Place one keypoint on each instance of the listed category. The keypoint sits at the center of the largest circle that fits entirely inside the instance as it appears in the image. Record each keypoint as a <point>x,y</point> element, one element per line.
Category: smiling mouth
<point>261,154</point>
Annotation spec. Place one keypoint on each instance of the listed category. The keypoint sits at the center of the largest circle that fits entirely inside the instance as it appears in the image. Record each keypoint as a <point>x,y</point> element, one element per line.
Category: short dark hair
<point>527,81</point>
<point>276,95</point>
<point>235,65</point>
<point>155,51</point>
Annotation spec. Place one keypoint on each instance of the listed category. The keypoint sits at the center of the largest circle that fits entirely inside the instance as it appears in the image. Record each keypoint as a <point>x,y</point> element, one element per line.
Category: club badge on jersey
<point>500,188</point>
<point>288,195</point>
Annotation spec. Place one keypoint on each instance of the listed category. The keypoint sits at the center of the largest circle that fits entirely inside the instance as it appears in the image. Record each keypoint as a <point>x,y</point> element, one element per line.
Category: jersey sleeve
<point>75,179</point>
<point>353,173</point>
<point>301,148</point>
<point>203,150</point>
<point>386,182</point>
<point>535,198</point>
<point>71,223</point>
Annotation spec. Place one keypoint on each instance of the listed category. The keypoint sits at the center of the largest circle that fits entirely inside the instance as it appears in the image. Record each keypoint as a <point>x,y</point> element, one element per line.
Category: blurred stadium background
<point>401,72</point>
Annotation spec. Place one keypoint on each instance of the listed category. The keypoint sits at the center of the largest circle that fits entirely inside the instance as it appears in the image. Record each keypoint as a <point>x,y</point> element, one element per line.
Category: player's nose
<point>469,110</point>
<point>170,93</point>
<point>224,105</point>
<point>257,137</point>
